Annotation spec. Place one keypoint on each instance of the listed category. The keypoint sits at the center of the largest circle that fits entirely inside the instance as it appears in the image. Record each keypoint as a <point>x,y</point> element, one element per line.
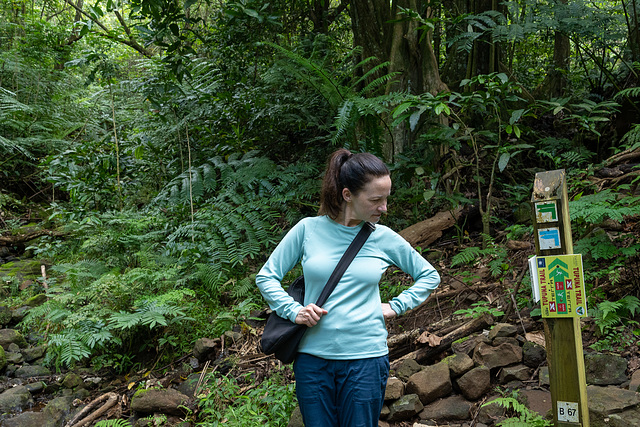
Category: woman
<point>342,366</point>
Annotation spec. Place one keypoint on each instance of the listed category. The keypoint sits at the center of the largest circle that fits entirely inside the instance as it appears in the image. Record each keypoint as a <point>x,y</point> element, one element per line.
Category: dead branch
<point>623,157</point>
<point>23,238</point>
<point>426,354</point>
<point>83,417</point>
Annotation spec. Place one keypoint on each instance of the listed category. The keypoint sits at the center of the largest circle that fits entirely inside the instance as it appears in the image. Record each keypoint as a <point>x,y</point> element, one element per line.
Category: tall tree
<point>390,32</point>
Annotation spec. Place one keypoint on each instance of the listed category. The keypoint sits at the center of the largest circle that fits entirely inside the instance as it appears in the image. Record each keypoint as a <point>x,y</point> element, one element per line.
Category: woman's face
<point>370,203</point>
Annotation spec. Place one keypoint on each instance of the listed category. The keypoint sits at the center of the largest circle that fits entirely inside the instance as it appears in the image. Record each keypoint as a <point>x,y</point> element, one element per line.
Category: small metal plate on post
<point>549,238</point>
<point>568,411</point>
<point>546,211</point>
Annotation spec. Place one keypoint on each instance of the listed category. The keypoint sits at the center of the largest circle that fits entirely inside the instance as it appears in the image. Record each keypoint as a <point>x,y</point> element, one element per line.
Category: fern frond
<point>466,256</point>
<point>113,423</point>
<point>632,92</point>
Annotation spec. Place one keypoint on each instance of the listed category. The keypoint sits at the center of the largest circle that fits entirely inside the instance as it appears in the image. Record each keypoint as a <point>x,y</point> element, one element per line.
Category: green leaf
<point>401,109</point>
<point>515,116</point>
<point>415,117</point>
<point>503,161</point>
<point>252,13</point>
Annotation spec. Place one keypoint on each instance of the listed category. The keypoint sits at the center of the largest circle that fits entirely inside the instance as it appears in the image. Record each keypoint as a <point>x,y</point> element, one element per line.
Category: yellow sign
<point>561,282</point>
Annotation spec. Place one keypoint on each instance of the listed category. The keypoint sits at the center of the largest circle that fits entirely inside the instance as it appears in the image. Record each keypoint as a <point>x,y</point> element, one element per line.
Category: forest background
<point>160,148</point>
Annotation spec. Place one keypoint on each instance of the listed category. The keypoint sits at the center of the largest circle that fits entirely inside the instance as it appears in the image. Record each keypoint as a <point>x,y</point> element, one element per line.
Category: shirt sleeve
<point>426,278</point>
<point>284,257</point>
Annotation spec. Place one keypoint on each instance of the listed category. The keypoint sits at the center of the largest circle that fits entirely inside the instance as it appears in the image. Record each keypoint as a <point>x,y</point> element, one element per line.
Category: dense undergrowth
<point>167,179</point>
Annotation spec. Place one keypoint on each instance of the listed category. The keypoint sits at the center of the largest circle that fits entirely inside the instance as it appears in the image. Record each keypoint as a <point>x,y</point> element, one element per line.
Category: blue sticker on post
<point>549,238</point>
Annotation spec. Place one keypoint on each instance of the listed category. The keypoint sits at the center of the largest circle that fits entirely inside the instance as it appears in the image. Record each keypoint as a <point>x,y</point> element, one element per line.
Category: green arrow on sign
<point>548,207</point>
<point>559,263</point>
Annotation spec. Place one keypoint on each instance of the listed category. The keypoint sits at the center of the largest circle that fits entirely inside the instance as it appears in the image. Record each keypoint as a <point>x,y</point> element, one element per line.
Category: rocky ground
<point>446,367</point>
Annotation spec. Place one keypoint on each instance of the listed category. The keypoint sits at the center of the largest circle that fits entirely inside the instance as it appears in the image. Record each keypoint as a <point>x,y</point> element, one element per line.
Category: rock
<point>394,390</point>
<point>13,358</point>
<point>8,336</point>
<point>29,371</point>
<point>18,314</point>
<point>634,384</point>
<point>491,413</point>
<point>475,383</point>
<point>232,337</point>
<point>605,369</point>
<point>5,315</point>
<point>165,401</point>
<point>466,345</point>
<point>3,359</point>
<point>514,373</point>
<point>459,364</point>
<point>533,355</point>
<point>543,376</point>
<point>431,382</point>
<point>613,406</point>
<point>36,387</point>
<point>494,357</point>
<point>71,380</point>
<point>15,399</point>
<point>296,418</point>
<point>384,414</point>
<point>405,408</point>
<point>407,368</point>
<point>36,300</point>
<point>188,386</point>
<point>453,408</point>
<point>21,270</point>
<point>538,401</point>
<point>206,348</point>
<point>51,416</point>
<point>33,353</point>
<point>502,330</point>
<point>501,340</point>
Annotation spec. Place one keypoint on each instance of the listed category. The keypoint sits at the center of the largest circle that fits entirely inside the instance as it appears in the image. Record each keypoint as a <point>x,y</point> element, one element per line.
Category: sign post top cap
<point>548,185</point>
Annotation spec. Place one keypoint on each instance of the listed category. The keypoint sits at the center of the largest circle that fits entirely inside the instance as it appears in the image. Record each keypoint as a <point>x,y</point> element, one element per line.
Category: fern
<point>524,417</point>
<point>68,347</point>
<point>466,256</point>
<point>594,208</point>
<point>113,423</point>
<point>244,287</point>
<point>632,138</point>
<point>150,314</point>
<point>236,221</point>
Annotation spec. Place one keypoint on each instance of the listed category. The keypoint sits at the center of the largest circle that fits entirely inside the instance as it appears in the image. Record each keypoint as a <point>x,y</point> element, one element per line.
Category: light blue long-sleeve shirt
<point>354,327</point>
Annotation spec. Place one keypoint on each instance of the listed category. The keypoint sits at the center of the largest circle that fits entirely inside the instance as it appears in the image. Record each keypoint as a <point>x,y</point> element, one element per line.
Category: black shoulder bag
<point>281,336</point>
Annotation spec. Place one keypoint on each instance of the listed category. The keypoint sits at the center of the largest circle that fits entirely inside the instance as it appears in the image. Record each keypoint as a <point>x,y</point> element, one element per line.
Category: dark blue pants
<point>340,393</point>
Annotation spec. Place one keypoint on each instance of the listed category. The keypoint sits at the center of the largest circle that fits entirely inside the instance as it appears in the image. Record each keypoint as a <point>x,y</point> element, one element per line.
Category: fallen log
<point>428,231</point>
<point>427,354</point>
<point>20,239</point>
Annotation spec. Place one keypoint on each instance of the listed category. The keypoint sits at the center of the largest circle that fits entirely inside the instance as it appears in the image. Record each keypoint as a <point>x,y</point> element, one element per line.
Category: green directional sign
<point>546,212</point>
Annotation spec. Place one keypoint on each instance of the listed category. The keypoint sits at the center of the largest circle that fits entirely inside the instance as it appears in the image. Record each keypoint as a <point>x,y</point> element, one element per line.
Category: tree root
<point>86,416</point>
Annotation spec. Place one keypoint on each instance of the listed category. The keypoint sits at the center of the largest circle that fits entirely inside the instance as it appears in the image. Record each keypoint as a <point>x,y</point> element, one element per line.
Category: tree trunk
<point>409,52</point>
<point>486,53</point>
<point>633,28</point>
<point>555,82</point>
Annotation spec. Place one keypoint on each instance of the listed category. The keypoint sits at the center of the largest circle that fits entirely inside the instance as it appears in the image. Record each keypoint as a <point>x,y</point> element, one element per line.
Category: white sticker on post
<point>568,411</point>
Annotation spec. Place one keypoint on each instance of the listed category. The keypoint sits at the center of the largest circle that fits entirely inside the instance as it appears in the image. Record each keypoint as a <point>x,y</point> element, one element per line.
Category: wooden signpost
<point>563,299</point>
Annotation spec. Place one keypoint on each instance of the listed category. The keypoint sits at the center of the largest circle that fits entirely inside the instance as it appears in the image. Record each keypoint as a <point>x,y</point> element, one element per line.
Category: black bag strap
<point>345,261</point>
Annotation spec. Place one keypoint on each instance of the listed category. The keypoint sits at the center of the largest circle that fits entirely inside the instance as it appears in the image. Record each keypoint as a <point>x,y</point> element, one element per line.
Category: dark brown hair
<point>347,170</point>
